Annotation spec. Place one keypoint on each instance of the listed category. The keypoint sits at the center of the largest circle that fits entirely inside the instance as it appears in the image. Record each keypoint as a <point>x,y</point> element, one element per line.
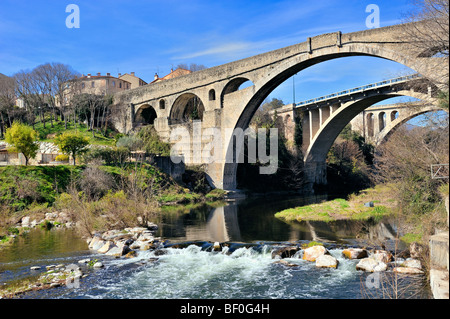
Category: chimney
<point>89,75</point>
<point>108,74</point>
<point>120,74</point>
<point>98,74</point>
<point>156,76</point>
<point>132,73</point>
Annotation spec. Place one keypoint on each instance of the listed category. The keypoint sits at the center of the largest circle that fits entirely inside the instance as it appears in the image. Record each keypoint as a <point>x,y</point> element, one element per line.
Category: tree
<point>7,101</point>
<point>430,35</point>
<point>193,67</point>
<point>72,144</point>
<point>24,140</point>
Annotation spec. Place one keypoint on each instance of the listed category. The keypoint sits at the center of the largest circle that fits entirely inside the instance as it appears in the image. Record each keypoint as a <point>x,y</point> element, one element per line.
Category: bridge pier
<point>315,174</point>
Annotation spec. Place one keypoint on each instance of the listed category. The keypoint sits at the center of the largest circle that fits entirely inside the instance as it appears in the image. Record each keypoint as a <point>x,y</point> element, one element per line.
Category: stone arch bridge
<point>216,96</point>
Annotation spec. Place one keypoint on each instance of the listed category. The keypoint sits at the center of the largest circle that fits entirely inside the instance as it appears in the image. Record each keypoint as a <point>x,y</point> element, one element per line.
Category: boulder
<point>326,261</point>
<point>407,270</point>
<point>106,247</point>
<point>145,236</point>
<point>285,252</point>
<point>412,263</point>
<point>26,221</point>
<point>382,256</point>
<point>312,253</point>
<point>371,265</point>
<point>98,264</point>
<point>94,242</point>
<point>217,246</point>
<point>354,253</point>
<point>118,251</point>
<point>415,250</point>
<point>131,254</point>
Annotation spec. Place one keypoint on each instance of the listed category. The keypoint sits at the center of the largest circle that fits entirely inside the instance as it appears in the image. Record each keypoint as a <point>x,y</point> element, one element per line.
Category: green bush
<point>62,158</point>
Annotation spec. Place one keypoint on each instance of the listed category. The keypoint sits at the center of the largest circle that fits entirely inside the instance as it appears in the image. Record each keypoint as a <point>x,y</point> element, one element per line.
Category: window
<point>162,104</point>
<point>82,85</point>
<point>92,84</point>
<point>113,83</point>
<point>212,95</point>
<point>120,85</point>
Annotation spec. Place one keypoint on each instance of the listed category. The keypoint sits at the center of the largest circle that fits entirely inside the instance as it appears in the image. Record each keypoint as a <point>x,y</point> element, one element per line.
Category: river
<point>243,270</point>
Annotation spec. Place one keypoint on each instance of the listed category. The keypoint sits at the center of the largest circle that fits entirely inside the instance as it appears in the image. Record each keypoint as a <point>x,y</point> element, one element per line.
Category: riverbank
<point>374,203</point>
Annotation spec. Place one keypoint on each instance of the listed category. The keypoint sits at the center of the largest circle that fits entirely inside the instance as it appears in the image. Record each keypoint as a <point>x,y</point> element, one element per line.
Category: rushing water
<point>243,269</point>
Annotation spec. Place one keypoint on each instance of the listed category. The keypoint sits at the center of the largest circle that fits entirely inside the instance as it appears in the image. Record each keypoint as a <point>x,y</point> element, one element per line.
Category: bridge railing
<point>359,89</point>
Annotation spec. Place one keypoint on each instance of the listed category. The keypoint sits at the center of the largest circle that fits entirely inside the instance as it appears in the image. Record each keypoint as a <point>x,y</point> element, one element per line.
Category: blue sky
<point>148,36</point>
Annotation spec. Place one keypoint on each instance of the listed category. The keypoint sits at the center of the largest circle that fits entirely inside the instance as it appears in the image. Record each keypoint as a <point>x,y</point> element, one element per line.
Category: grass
<point>339,208</point>
<point>48,133</point>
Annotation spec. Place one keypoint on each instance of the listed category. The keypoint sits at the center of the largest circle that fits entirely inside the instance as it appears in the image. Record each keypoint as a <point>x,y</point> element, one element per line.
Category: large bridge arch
<point>187,106</point>
<point>146,114</point>
<point>270,80</point>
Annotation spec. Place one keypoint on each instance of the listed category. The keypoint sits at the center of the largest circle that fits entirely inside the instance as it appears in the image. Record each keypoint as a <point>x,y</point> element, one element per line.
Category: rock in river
<point>354,253</point>
<point>371,265</point>
<point>314,252</point>
<point>326,261</point>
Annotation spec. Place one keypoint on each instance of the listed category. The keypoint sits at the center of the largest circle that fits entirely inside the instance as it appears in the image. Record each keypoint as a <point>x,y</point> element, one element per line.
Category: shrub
<point>62,158</point>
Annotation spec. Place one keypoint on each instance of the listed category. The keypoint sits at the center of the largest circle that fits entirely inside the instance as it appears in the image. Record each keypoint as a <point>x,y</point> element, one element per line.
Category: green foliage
<point>24,187</point>
<point>108,155</point>
<point>152,144</point>
<point>62,158</point>
<point>132,143</point>
<point>71,144</point>
<point>443,100</point>
<point>24,140</point>
<point>46,225</point>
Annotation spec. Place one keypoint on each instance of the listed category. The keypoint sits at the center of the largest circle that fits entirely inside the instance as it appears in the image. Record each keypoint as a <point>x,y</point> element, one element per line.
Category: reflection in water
<point>253,220</point>
<point>223,225</point>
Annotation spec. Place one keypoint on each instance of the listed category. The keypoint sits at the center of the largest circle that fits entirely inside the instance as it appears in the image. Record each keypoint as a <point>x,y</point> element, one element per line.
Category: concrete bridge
<point>323,118</point>
<point>376,123</point>
<point>218,101</point>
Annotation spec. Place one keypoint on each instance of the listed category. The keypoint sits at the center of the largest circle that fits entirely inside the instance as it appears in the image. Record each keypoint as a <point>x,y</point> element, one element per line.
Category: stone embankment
<point>439,270</point>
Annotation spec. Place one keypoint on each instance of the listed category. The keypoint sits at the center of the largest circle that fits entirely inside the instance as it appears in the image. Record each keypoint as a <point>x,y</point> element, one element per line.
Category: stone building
<point>173,74</point>
<point>102,84</point>
<point>133,79</point>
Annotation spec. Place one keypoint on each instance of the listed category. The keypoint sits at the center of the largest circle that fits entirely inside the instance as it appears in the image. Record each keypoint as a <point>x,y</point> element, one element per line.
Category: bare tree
<point>193,67</point>
<point>431,35</point>
<point>53,79</point>
<point>7,101</point>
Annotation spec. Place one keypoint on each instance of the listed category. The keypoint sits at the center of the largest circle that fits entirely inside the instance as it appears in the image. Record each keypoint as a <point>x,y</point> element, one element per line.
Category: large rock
<point>382,256</point>
<point>118,251</point>
<point>95,242</point>
<point>412,263</point>
<point>26,221</point>
<point>312,253</point>
<point>106,247</point>
<point>285,252</point>
<point>407,270</point>
<point>416,250</point>
<point>354,253</point>
<point>371,265</point>
<point>326,261</point>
